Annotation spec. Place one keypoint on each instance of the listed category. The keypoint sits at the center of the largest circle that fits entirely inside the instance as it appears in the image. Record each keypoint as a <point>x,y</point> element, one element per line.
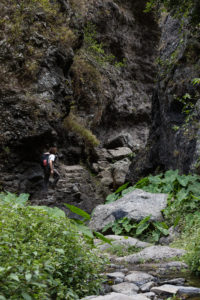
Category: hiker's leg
<point>46,179</point>
<point>56,177</point>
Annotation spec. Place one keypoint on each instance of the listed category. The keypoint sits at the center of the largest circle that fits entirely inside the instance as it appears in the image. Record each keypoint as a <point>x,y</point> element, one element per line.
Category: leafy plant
<point>183,199</point>
<point>82,224</point>
<point>24,24</point>
<point>196,81</point>
<point>96,48</point>
<point>43,256</point>
<point>120,192</point>
<point>70,122</point>
<point>190,241</point>
<point>145,229</point>
<point>121,250</point>
<point>10,198</point>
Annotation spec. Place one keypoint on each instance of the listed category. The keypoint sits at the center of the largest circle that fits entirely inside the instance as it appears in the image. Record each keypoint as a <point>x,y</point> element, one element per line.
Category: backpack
<point>45,160</point>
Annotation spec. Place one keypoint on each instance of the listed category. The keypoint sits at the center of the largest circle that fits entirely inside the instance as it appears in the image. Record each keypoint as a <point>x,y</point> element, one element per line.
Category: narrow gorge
<point>115,86</point>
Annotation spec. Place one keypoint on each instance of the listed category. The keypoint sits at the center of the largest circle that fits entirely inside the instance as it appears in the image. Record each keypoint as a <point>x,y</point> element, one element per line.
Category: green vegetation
<point>183,190</point>
<point>145,229</point>
<point>190,240</point>
<point>82,224</point>
<point>31,26</point>
<point>121,250</point>
<point>182,210</point>
<point>43,255</point>
<point>71,123</point>
<point>85,77</point>
<point>120,192</point>
<point>97,49</point>
<point>196,81</point>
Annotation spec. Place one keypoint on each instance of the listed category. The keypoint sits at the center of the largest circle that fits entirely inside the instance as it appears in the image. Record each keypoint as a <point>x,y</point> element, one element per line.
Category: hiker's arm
<point>51,166</point>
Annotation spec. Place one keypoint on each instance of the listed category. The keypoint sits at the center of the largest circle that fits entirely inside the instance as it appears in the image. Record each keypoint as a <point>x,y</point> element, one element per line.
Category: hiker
<point>48,161</point>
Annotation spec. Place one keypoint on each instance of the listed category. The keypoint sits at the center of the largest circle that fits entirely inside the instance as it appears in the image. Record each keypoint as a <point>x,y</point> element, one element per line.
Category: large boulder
<point>153,253</point>
<point>135,205</point>
<point>117,296</point>
<point>123,241</point>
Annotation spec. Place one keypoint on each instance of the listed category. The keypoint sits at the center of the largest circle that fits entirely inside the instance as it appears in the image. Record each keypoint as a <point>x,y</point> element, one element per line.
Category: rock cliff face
<point>174,136</point>
<point>71,70</point>
<point>80,73</point>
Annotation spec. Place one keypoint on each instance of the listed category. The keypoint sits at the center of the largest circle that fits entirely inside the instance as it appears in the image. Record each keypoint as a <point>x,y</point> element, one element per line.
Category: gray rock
<point>167,268</point>
<point>175,281</point>
<point>119,171</point>
<point>126,288</point>
<point>166,289</point>
<point>139,278</point>
<point>120,152</point>
<point>173,290</point>
<point>106,176</point>
<point>150,295</point>
<point>118,277</point>
<point>122,241</point>
<point>135,205</point>
<point>147,286</point>
<point>153,253</point>
<point>121,140</point>
<point>117,296</point>
<point>173,233</point>
<point>189,291</point>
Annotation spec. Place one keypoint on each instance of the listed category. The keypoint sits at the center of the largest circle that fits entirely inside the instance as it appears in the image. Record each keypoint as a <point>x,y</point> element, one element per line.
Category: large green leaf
<point>161,227</point>
<point>170,176</point>
<point>23,198</point>
<point>143,225</point>
<point>182,194</point>
<point>78,211</point>
<point>155,235</point>
<point>141,228</point>
<point>121,188</point>
<point>194,188</point>
<point>155,180</point>
<point>183,180</point>
<point>26,296</point>
<point>142,182</point>
<point>146,219</point>
<point>111,198</point>
<point>102,237</point>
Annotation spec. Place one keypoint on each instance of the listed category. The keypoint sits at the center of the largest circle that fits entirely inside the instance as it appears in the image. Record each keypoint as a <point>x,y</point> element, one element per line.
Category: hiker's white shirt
<point>52,157</point>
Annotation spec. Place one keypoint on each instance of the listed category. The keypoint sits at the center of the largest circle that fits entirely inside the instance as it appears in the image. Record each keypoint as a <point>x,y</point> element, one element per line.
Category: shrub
<point>190,240</point>
<point>97,49</point>
<point>43,256</point>
<point>85,78</point>
<point>72,124</point>
<point>145,229</point>
<point>33,25</point>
